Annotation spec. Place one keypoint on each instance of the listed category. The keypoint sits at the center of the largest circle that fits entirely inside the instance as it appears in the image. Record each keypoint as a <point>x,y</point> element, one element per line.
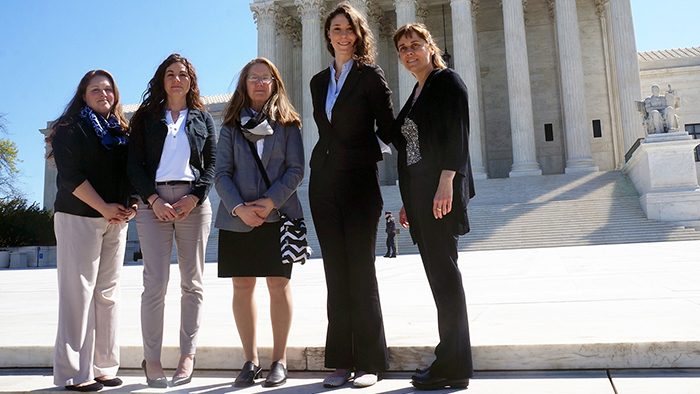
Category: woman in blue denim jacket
<point>171,165</point>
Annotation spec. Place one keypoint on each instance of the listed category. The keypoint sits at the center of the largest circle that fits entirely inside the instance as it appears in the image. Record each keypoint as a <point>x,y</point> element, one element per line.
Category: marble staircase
<point>533,212</point>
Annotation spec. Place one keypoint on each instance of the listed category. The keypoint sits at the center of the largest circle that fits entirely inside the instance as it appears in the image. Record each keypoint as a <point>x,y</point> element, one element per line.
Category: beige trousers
<point>90,255</point>
<point>156,239</point>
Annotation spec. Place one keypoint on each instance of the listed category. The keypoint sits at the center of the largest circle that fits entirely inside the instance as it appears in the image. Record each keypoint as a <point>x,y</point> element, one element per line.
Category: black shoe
<point>387,255</point>
<point>248,374</point>
<point>90,387</point>
<point>277,375</point>
<point>179,381</point>
<point>393,256</point>
<point>159,383</point>
<point>419,371</point>
<point>426,381</point>
<point>114,382</point>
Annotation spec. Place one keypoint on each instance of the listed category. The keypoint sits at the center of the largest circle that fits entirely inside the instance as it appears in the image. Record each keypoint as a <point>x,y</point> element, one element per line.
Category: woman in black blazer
<point>431,134</point>
<point>89,145</point>
<point>346,202</point>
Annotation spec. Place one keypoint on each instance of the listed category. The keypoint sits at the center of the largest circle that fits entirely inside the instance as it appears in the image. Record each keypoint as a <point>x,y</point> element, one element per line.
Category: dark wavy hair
<point>77,103</point>
<point>154,98</point>
<point>364,45</point>
<point>277,107</point>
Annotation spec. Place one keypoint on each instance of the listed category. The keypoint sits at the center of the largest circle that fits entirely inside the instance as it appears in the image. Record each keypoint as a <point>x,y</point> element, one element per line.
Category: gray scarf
<point>255,126</point>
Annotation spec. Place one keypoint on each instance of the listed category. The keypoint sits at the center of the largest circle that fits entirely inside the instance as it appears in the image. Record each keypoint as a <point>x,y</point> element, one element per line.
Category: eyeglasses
<point>266,79</point>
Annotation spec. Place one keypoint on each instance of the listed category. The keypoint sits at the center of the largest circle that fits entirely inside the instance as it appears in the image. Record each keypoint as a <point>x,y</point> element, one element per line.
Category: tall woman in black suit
<point>346,203</point>
<point>431,134</point>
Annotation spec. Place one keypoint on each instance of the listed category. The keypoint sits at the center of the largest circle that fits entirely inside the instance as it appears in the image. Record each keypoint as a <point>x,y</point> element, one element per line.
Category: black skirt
<point>255,253</point>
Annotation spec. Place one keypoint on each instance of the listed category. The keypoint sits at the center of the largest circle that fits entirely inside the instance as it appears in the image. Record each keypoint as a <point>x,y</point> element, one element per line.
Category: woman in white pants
<point>171,165</point>
<point>89,145</point>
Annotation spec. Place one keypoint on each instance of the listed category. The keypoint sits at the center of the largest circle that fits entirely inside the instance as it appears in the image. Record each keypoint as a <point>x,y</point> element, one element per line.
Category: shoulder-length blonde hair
<point>277,107</point>
<point>420,30</point>
<point>365,51</point>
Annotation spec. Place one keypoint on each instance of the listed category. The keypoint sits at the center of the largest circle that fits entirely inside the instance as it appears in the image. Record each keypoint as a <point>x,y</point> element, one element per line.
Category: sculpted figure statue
<point>659,111</point>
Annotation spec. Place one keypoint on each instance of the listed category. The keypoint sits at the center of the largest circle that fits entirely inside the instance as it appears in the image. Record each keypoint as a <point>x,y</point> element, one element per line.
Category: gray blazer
<point>238,179</point>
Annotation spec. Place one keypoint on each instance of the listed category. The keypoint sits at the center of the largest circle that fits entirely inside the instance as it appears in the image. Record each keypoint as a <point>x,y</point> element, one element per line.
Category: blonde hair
<point>277,107</point>
<point>419,29</point>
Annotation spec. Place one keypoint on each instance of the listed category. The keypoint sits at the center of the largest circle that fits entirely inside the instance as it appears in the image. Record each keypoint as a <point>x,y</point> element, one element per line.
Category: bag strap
<point>259,163</point>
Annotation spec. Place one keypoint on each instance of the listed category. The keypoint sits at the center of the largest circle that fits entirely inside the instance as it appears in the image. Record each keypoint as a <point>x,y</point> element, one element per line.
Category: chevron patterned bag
<point>293,243</point>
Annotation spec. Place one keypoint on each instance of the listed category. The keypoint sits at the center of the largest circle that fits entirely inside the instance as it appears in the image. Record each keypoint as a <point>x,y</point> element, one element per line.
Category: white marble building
<point>552,82</point>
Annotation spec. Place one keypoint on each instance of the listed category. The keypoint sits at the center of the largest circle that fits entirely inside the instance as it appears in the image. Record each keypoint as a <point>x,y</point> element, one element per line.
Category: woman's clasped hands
<point>117,213</point>
<point>179,210</point>
<point>254,213</point>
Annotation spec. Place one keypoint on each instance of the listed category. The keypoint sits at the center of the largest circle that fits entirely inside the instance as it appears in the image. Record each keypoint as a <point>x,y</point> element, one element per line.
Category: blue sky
<point>47,46</point>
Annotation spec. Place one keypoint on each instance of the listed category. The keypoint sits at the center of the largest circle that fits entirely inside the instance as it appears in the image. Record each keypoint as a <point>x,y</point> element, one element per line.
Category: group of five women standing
<point>169,158</point>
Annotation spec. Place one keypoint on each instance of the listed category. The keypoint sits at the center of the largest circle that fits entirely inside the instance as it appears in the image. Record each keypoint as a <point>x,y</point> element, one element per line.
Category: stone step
<point>547,211</point>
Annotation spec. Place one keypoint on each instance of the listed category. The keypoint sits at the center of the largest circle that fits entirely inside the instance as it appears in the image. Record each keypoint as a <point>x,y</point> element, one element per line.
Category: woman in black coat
<point>431,134</point>
<point>89,145</point>
<point>349,97</point>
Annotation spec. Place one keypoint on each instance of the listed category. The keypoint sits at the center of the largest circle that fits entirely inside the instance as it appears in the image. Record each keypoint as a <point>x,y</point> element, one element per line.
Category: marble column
<point>264,14</point>
<point>297,95</point>
<point>405,13</point>
<point>360,5</point>
<point>422,11</point>
<point>519,95</point>
<point>628,82</point>
<point>573,87</point>
<point>467,67</point>
<point>375,19</point>
<point>286,26</point>
<point>311,12</point>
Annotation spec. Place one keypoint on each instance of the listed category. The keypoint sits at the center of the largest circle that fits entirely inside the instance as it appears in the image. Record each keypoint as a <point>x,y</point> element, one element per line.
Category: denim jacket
<point>146,147</point>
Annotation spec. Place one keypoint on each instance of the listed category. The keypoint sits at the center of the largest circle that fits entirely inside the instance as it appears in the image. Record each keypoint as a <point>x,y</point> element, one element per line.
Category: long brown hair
<point>277,107</point>
<point>421,31</point>
<point>77,103</point>
<point>154,98</point>
<point>364,45</point>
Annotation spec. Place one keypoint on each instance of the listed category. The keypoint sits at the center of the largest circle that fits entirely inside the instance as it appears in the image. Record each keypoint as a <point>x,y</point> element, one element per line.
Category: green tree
<point>24,225</point>
<point>8,163</point>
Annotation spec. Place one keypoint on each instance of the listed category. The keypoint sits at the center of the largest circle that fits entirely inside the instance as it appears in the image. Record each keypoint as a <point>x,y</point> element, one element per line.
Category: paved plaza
<point>588,319</point>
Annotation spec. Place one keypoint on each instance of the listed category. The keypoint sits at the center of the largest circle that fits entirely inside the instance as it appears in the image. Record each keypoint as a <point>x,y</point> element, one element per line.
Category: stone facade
<point>539,72</point>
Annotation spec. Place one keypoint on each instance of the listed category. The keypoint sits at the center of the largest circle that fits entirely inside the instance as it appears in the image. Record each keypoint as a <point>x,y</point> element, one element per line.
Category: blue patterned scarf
<point>109,130</point>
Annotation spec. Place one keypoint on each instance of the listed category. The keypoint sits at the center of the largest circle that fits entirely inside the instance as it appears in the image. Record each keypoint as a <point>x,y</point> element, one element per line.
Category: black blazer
<point>146,147</point>
<point>442,116</point>
<point>80,156</point>
<point>349,140</point>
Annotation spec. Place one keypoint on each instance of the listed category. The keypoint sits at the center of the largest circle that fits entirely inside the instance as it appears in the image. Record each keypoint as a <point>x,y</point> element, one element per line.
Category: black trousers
<point>346,207</point>
<point>391,244</point>
<point>437,244</point>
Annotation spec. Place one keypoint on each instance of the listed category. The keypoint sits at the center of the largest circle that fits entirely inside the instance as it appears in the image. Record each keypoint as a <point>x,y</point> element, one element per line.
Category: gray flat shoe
<point>336,381</point>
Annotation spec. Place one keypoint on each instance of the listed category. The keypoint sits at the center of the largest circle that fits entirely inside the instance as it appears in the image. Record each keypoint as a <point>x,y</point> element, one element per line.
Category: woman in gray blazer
<point>258,121</point>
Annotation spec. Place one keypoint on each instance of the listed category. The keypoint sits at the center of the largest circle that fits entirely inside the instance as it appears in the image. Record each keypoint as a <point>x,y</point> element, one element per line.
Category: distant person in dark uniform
<point>390,235</point>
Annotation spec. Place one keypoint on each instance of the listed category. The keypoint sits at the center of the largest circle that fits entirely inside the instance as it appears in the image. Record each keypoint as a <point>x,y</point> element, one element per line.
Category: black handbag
<point>293,243</point>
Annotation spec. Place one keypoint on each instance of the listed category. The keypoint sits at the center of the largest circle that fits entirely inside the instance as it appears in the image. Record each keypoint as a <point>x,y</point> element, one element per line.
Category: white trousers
<point>156,239</point>
<point>90,256</point>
